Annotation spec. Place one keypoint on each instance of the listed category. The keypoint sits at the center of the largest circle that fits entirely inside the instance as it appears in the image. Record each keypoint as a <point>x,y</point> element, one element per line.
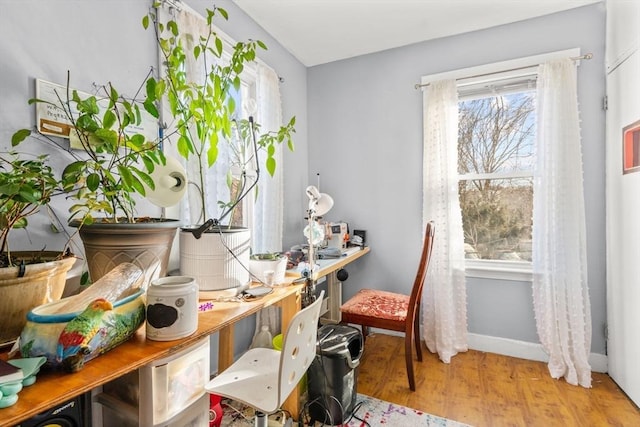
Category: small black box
<point>363,236</point>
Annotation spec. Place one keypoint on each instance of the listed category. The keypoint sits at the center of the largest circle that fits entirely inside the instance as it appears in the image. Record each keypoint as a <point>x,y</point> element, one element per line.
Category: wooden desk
<point>53,388</point>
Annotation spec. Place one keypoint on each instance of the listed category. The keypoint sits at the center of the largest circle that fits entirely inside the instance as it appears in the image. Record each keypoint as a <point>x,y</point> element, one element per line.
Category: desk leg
<point>225,348</point>
<point>290,306</point>
<point>334,287</point>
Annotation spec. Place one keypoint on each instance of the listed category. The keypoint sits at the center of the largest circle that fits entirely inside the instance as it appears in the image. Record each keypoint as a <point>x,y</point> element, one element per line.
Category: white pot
<point>218,260</point>
<point>262,268</point>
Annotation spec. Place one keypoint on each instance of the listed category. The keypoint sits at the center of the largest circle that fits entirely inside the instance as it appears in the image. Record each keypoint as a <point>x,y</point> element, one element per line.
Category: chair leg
<point>416,336</point>
<point>365,332</point>
<point>261,419</point>
<point>409,360</point>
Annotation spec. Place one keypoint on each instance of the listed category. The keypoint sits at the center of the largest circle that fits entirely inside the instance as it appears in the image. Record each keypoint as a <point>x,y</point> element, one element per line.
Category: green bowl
<point>30,367</point>
<point>7,401</point>
<point>9,388</point>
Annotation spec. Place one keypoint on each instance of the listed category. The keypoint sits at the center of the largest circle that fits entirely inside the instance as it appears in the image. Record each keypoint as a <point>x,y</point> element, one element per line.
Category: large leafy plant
<point>205,110</point>
<point>112,164</point>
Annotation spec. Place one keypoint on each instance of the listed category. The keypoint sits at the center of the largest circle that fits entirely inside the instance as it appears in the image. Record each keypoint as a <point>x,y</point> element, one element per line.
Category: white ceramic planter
<point>218,260</point>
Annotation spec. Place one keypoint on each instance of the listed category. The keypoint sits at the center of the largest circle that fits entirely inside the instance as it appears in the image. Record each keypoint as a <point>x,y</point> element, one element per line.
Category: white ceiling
<point>321,31</point>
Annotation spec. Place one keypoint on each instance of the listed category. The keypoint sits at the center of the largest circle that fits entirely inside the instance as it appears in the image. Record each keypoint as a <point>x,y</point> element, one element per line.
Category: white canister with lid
<point>172,308</point>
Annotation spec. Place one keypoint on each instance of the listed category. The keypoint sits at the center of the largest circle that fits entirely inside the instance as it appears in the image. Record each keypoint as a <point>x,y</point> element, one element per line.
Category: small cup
<point>268,277</point>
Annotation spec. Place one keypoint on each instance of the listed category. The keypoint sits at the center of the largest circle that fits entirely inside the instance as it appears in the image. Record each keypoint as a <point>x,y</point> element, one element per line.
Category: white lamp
<point>319,204</point>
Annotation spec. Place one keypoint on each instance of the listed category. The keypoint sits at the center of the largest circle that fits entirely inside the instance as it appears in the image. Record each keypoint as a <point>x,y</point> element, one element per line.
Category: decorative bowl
<point>42,331</point>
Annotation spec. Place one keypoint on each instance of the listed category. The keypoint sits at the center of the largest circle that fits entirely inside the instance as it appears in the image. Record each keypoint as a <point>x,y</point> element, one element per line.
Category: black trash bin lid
<point>340,339</point>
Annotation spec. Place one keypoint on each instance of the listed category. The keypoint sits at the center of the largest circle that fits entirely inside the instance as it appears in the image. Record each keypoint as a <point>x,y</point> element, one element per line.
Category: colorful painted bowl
<point>39,338</point>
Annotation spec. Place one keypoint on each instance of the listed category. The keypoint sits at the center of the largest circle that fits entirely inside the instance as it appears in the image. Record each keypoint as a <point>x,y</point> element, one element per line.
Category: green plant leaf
<point>144,177</point>
<point>93,181</point>
<point>109,119</point>
<point>19,136</point>
<point>173,27</point>
<point>271,165</point>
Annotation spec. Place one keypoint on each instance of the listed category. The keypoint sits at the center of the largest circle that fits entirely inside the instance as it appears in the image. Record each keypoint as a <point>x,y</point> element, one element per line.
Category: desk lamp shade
<point>319,203</point>
<point>171,183</point>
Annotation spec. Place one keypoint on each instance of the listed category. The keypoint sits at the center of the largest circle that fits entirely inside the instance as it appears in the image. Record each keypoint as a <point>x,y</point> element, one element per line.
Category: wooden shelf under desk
<point>54,388</point>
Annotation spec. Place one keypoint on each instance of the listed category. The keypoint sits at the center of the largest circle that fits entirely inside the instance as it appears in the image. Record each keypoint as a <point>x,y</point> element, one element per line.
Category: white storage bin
<point>174,383</point>
<point>159,392</point>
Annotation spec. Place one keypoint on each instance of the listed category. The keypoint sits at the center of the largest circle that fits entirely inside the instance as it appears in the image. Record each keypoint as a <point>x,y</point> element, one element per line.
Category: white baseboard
<point>525,350</point>
<point>514,348</point>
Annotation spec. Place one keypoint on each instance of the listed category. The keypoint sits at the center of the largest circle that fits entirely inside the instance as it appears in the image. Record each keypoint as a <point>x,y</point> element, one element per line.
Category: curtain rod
<point>575,58</point>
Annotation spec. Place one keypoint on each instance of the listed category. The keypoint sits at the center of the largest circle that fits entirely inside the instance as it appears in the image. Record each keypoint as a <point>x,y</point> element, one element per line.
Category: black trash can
<point>333,374</point>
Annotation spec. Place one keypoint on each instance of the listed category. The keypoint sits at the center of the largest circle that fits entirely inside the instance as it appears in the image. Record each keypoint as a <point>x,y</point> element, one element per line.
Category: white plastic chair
<point>263,378</point>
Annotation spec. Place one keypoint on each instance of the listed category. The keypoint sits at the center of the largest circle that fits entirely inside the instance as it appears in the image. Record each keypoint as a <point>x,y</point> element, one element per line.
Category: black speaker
<point>73,413</point>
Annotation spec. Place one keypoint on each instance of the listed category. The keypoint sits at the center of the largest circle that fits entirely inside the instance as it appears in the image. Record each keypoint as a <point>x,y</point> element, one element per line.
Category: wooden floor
<point>485,389</point>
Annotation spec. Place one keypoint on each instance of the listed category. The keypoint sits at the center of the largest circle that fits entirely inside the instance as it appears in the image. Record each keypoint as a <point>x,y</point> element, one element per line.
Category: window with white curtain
<point>496,156</point>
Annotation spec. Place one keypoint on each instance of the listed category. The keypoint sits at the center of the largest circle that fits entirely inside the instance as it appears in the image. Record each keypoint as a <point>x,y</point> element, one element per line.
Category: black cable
<point>353,414</point>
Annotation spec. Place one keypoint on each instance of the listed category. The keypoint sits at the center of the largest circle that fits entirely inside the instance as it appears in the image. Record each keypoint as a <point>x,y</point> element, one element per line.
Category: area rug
<point>369,411</point>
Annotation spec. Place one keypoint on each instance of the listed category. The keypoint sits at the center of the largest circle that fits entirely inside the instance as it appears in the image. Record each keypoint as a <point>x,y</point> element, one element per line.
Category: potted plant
<point>27,278</point>
<point>109,168</point>
<point>269,268</point>
<point>205,116</point>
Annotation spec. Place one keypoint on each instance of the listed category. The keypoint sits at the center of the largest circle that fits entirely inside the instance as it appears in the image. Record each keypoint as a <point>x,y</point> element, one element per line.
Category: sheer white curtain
<point>444,296</point>
<point>560,292</point>
<point>268,217</point>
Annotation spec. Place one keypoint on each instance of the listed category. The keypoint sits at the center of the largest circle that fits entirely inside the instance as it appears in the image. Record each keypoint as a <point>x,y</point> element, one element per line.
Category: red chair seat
<point>379,304</point>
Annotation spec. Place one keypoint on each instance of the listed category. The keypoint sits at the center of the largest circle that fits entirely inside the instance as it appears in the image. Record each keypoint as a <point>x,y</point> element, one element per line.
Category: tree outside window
<point>496,151</point>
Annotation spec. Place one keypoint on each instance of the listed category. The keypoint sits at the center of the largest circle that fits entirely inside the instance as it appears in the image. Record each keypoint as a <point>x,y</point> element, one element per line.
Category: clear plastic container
<point>263,338</point>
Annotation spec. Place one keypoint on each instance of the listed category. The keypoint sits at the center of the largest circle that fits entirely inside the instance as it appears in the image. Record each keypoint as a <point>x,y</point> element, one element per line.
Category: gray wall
<point>365,139</point>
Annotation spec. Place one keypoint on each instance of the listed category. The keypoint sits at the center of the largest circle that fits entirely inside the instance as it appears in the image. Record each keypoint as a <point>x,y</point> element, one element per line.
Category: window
<point>496,154</point>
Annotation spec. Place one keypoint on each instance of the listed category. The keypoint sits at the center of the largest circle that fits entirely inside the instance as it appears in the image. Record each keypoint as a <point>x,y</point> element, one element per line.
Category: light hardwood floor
<point>485,389</point>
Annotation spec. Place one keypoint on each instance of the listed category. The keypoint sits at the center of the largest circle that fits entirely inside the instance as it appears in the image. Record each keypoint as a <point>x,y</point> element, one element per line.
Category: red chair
<point>372,308</point>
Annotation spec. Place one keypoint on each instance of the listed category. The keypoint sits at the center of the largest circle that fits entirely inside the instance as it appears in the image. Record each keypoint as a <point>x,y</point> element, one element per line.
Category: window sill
<point>502,270</point>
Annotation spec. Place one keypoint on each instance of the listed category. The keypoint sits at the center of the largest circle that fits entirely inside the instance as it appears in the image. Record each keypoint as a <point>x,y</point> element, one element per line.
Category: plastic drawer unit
<point>163,393</point>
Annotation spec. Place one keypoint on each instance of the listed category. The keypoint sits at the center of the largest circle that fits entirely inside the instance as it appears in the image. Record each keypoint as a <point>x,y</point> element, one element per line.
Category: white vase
<point>218,260</point>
